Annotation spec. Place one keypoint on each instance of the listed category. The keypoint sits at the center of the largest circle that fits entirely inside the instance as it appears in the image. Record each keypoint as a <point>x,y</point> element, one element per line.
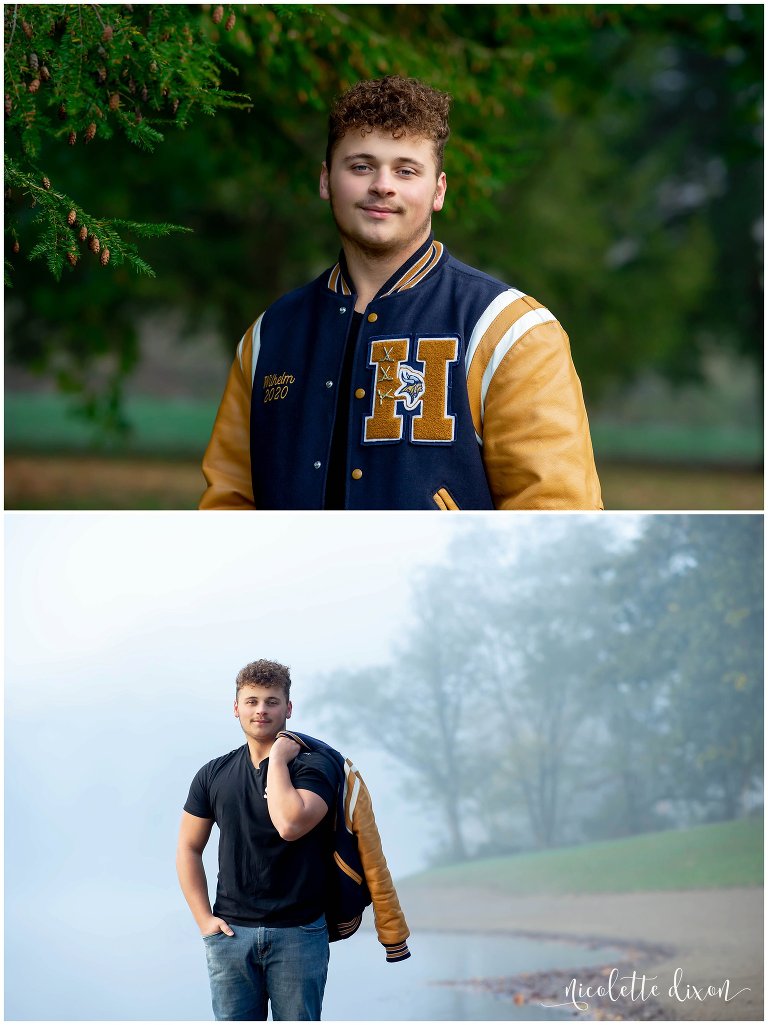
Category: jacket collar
<point>415,269</point>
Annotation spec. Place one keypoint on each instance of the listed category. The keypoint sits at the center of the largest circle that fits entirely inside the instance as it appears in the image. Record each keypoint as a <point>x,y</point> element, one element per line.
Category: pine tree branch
<point>79,79</point>
<point>66,227</point>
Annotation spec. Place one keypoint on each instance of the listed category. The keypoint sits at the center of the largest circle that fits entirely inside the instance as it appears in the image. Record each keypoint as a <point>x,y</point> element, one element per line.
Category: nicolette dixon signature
<point>638,987</point>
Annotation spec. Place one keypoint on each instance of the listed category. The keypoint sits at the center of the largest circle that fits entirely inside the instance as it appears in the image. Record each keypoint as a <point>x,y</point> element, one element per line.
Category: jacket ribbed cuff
<point>397,951</point>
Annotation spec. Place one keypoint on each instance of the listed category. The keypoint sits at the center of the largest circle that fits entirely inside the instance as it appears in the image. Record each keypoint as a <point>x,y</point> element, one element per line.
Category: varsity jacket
<point>361,875</point>
<point>463,396</point>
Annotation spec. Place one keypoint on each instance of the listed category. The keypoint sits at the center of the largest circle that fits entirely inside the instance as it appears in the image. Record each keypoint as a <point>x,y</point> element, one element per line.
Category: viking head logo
<point>412,387</point>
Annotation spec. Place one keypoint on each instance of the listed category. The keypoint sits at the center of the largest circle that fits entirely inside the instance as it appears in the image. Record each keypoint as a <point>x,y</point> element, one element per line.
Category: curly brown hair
<point>402,106</point>
<point>265,674</point>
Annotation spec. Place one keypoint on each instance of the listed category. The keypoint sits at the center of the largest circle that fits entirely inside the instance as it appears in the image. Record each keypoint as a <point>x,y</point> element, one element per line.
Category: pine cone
<point>104,258</point>
<point>102,74</point>
<point>34,85</point>
<point>83,234</point>
<point>72,138</point>
<point>114,101</point>
<point>62,112</point>
<point>93,244</point>
<point>71,217</point>
<point>72,259</point>
<point>45,74</point>
<point>27,29</point>
<point>144,94</point>
<point>34,62</point>
<point>8,105</point>
<point>46,183</point>
<point>106,36</point>
<point>230,22</point>
<point>218,14</point>
<point>175,106</point>
<point>90,132</point>
<point>16,247</point>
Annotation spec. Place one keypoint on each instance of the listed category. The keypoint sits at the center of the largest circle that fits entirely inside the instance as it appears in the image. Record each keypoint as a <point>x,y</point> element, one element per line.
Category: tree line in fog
<point>560,684</point>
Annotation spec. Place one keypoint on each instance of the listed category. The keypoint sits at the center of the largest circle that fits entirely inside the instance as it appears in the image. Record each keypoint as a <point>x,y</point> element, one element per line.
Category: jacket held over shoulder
<point>360,875</point>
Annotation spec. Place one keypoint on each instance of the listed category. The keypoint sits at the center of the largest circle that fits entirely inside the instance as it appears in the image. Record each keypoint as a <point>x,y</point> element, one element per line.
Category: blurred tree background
<point>576,686</point>
<point>605,158</point>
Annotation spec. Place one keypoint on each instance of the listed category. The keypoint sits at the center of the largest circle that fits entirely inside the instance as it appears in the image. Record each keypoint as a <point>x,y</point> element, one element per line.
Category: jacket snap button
<point>357,474</point>
<point>317,464</point>
<point>329,384</point>
<point>372,318</point>
<point>342,309</point>
<point>360,393</point>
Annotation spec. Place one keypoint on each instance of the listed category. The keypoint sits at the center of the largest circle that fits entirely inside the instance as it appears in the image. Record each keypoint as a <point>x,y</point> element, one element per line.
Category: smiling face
<point>262,711</point>
<point>383,191</point>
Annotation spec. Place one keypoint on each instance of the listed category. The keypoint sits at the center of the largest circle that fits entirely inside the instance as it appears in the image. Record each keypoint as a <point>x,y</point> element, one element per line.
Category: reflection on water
<point>362,986</point>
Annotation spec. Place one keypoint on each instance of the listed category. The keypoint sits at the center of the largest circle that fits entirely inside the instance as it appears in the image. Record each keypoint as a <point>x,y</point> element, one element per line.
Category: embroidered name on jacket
<point>276,386</point>
<point>411,376</point>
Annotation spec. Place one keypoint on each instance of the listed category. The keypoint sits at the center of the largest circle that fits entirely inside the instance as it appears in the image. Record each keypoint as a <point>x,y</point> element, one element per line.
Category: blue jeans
<point>287,966</point>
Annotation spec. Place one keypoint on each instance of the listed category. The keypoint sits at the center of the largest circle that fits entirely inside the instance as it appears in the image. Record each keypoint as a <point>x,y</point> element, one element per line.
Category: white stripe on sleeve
<point>255,346</point>
<point>515,333</point>
<point>240,353</point>
<point>353,800</point>
<point>486,319</point>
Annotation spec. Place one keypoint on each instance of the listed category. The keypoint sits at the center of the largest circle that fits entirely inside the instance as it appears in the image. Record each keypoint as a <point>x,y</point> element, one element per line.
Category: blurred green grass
<point>54,460</point>
<point>716,855</point>
<point>676,443</point>
<point>168,427</point>
<point>44,422</point>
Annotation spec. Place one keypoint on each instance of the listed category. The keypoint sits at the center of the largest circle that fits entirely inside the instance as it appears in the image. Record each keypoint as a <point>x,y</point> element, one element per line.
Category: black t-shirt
<point>263,879</point>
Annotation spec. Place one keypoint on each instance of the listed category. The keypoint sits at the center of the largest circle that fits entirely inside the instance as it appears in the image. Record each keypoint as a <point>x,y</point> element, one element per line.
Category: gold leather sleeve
<point>391,926</point>
<point>537,448</point>
<point>227,460</point>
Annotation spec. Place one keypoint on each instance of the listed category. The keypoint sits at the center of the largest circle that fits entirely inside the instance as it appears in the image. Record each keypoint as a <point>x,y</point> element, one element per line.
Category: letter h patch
<point>398,384</point>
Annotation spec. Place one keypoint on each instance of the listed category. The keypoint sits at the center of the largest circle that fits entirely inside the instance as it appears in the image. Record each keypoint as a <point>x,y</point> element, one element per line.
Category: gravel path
<point>704,937</point>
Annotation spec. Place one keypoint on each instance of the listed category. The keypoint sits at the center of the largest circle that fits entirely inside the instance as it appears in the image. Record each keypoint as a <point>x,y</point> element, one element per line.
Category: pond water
<point>127,964</point>
<point>361,986</point>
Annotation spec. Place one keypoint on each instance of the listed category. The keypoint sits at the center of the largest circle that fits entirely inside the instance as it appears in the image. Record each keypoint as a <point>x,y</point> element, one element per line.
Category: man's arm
<point>528,410</point>
<point>193,836</point>
<point>227,460</point>
<point>293,812</point>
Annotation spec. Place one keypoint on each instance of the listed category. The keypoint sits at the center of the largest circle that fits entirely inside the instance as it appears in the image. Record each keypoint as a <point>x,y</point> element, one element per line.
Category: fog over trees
<point>567,684</point>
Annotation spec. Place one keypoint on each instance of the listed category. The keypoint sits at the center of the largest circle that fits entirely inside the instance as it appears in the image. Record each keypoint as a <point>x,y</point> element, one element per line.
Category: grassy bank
<point>717,855</point>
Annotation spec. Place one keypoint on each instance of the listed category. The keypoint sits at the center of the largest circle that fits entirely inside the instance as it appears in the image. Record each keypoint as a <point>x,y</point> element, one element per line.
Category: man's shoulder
<point>473,276</point>
<point>324,760</point>
<point>318,754</point>
<point>488,293</point>
<point>212,767</point>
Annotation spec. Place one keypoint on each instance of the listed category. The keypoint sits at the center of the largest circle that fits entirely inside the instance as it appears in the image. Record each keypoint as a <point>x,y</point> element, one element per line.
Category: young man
<point>266,938</point>
<point>400,378</point>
